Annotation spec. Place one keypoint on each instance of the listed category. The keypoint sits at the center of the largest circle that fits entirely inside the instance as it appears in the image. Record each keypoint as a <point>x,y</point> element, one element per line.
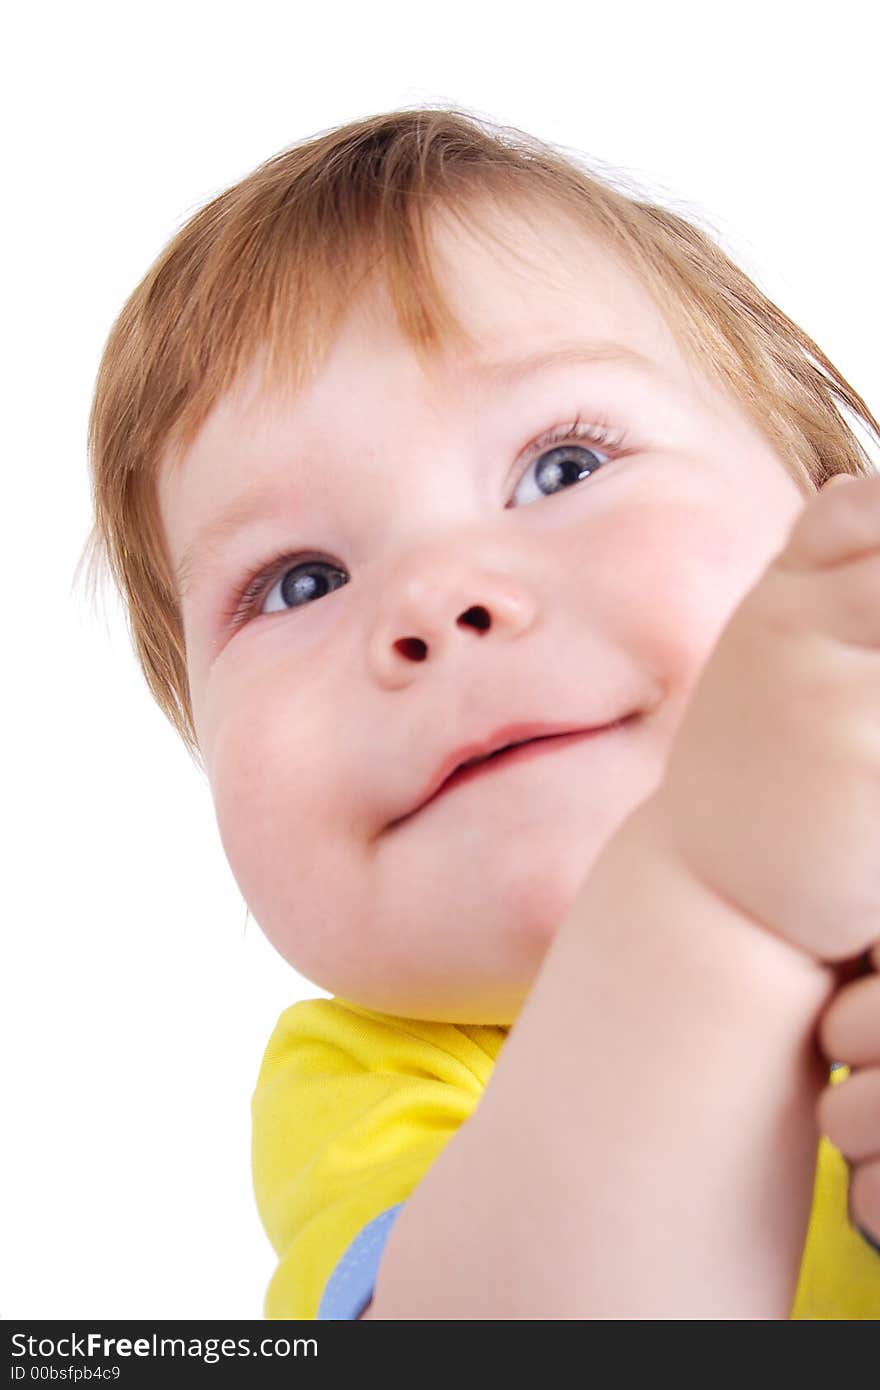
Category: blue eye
<point>555,469</point>
<point>305,582</point>
<point>300,582</point>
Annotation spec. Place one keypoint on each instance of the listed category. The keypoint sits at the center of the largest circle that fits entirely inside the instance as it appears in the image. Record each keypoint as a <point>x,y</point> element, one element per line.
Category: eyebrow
<point>203,550</point>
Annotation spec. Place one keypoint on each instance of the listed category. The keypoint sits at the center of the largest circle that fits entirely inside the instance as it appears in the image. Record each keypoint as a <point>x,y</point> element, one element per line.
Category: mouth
<point>510,755</point>
<point>514,753</point>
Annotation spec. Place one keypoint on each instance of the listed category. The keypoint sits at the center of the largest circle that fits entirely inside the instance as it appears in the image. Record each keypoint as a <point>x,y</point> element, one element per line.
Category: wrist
<point>665,908</point>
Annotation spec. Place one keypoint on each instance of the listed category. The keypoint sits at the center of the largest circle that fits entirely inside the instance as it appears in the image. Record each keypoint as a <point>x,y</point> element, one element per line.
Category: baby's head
<point>420,439</point>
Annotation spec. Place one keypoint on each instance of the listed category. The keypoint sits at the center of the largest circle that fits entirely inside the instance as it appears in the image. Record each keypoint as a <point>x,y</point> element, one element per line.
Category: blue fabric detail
<point>350,1286</point>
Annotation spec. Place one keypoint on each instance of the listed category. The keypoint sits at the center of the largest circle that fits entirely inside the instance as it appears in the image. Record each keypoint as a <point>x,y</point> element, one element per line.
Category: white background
<point>136,1001</point>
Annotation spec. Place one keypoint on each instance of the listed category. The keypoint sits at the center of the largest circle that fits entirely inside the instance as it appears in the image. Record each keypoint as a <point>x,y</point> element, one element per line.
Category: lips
<point>510,735</point>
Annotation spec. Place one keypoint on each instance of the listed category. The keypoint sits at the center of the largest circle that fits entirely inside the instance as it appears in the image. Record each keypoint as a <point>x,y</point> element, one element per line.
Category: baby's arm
<point>646,1146</point>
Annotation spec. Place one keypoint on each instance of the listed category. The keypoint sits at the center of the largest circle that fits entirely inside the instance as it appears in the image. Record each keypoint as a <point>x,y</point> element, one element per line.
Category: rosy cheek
<point>231,806</point>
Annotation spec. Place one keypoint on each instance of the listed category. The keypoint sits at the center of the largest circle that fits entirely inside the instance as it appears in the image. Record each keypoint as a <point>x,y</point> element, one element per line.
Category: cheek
<point>281,784</point>
<point>676,573</point>
<point>267,784</point>
<point>667,572</point>
<point>277,830</point>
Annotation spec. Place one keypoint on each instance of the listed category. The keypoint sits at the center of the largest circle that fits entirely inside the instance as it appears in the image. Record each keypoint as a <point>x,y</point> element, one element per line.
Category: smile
<point>496,763</point>
<point>518,753</point>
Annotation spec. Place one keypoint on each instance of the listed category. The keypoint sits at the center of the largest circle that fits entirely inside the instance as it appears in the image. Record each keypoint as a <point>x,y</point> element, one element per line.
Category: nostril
<point>412,647</point>
<point>476,617</point>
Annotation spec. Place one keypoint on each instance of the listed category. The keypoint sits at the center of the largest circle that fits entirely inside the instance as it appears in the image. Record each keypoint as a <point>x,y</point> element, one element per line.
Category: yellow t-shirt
<point>352,1107</point>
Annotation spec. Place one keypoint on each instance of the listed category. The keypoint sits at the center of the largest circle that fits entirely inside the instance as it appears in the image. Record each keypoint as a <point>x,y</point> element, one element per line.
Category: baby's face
<point>447,577</point>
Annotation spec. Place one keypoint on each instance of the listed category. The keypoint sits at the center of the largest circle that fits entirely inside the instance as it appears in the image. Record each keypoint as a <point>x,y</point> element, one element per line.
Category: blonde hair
<point>273,262</point>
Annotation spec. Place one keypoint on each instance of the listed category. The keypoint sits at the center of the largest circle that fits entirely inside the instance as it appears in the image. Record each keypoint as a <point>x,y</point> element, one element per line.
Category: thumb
<point>837,478</point>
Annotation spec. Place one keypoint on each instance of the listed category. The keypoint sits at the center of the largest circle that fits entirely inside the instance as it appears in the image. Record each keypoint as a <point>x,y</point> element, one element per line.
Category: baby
<point>471,517</point>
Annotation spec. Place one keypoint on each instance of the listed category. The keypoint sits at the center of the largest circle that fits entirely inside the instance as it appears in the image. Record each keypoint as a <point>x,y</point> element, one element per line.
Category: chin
<point>455,990</point>
<point>496,1006</point>
<point>542,905</point>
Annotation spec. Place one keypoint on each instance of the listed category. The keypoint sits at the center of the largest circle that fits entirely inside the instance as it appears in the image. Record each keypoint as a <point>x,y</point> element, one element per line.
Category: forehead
<point>517,283</point>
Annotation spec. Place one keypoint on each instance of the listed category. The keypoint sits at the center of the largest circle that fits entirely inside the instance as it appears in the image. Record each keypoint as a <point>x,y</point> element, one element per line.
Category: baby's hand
<point>771,792</point>
<point>849,1112</point>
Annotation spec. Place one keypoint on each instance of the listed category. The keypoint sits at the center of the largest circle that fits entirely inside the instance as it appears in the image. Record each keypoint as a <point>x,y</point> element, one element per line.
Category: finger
<point>849,1030</point>
<point>837,524</point>
<point>835,478</point>
<point>849,1113</point>
<point>864,1201</point>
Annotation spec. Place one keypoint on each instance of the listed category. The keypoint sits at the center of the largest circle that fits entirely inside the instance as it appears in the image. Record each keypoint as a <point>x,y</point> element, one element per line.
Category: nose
<point>435,600</point>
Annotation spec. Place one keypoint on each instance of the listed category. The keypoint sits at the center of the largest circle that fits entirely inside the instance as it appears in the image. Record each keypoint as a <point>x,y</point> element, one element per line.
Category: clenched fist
<point>771,792</point>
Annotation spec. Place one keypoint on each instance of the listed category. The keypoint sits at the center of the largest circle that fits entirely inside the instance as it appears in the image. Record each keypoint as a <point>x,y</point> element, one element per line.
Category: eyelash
<point>258,580</point>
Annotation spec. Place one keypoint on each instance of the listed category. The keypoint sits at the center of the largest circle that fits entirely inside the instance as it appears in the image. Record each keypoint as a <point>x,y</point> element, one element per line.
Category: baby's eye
<point>301,584</point>
<point>554,469</point>
<point>287,581</point>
